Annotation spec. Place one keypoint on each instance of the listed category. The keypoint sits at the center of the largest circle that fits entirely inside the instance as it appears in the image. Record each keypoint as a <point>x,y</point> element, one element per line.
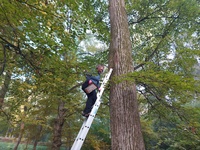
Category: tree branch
<point>163,101</point>
<point>18,51</point>
<point>4,60</point>
<point>42,10</point>
<point>165,33</point>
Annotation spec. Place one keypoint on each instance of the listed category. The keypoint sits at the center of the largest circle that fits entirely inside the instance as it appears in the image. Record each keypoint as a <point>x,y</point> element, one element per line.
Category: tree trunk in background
<point>4,88</point>
<point>37,138</point>
<point>58,124</point>
<point>125,121</point>
<point>20,135</point>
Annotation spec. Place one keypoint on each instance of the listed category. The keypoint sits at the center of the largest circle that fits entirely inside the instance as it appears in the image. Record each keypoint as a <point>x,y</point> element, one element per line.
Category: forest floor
<point>7,143</point>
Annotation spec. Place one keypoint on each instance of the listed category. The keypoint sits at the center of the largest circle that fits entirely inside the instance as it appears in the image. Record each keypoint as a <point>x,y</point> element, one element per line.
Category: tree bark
<point>58,124</point>
<point>125,120</point>
<point>4,87</point>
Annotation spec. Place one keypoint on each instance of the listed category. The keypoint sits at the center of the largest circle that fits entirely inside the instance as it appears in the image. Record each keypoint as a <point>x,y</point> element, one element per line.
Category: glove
<point>90,82</point>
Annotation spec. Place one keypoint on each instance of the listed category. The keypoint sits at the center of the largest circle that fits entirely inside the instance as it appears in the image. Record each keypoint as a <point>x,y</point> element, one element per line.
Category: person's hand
<point>90,82</point>
<point>99,89</point>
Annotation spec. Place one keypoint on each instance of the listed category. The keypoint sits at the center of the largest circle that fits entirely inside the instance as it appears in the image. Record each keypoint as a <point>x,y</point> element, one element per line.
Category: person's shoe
<point>85,115</point>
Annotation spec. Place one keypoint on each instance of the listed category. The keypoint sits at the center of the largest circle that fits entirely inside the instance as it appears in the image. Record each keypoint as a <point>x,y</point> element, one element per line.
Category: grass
<point>10,146</point>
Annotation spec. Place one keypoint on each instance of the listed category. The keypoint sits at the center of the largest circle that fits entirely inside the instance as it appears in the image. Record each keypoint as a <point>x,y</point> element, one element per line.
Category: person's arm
<point>95,80</point>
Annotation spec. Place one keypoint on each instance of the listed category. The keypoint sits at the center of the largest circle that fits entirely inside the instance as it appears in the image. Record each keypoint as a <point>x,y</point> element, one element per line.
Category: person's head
<point>100,68</point>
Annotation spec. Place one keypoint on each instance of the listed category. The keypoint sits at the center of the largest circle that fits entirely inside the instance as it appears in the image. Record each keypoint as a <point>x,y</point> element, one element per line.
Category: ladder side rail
<point>87,123</point>
<point>85,127</point>
<point>84,132</point>
<point>79,133</point>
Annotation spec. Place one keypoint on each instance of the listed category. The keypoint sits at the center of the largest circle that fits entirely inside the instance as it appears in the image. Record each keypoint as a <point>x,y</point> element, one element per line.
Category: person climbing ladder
<point>80,138</point>
<point>89,87</point>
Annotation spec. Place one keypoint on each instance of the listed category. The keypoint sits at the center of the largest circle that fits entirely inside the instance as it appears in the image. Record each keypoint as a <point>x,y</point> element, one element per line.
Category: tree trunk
<point>125,121</point>
<point>58,124</point>
<point>4,88</point>
<point>37,137</point>
<point>20,136</point>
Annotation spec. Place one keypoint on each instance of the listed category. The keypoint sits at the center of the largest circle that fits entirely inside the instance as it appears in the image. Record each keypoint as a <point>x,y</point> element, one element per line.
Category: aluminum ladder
<point>88,121</point>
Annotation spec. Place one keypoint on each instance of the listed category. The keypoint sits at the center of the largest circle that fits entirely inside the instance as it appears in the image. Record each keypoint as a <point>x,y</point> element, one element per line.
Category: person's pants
<point>90,101</point>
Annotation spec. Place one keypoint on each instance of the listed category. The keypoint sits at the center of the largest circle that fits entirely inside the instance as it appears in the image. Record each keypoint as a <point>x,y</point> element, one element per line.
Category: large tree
<point>125,121</point>
<point>156,29</point>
